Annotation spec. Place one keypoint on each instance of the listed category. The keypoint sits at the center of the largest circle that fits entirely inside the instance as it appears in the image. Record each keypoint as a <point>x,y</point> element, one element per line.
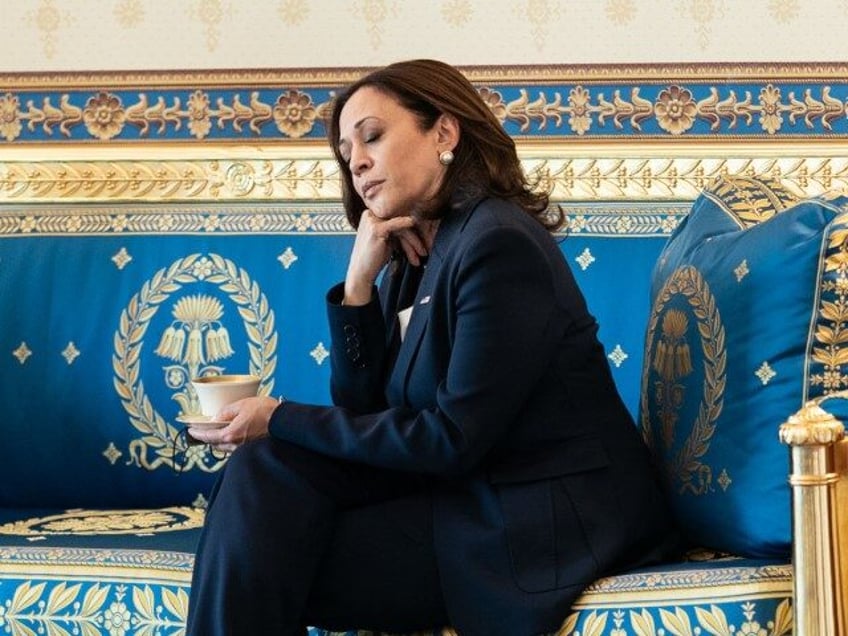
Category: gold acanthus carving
<point>675,109</point>
<point>316,179</point>
<point>811,426</point>
<point>169,180</point>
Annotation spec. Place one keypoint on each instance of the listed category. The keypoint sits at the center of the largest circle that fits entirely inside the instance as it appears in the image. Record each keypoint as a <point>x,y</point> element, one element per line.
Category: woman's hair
<point>485,160</point>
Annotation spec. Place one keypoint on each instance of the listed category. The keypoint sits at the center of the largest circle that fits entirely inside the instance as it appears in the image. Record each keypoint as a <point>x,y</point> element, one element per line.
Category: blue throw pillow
<point>746,325</point>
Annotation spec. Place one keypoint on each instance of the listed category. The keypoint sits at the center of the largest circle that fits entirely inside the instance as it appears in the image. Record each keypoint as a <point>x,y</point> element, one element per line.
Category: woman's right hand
<point>376,239</point>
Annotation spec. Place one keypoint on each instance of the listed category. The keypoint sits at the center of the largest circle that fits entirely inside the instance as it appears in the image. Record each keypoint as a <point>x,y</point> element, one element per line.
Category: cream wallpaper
<point>61,35</point>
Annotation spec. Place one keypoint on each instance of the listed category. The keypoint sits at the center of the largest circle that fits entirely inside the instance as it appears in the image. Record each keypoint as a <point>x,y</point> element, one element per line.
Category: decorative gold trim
<point>546,74</point>
<point>685,470</point>
<point>811,426</point>
<point>812,433</point>
<point>155,448</point>
<point>813,480</point>
<point>107,522</point>
<point>308,173</point>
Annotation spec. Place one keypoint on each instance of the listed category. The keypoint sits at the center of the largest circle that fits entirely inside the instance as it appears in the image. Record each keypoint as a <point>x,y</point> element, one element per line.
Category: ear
<point>447,132</point>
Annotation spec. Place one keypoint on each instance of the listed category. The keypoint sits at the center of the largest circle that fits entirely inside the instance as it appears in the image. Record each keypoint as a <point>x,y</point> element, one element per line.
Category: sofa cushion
<point>96,571</point>
<point>129,572</point>
<point>113,308</point>
<point>707,594</point>
<point>744,328</point>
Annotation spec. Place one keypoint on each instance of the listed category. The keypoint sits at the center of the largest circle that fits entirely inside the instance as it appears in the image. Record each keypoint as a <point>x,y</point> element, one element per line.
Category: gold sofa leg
<point>817,445</point>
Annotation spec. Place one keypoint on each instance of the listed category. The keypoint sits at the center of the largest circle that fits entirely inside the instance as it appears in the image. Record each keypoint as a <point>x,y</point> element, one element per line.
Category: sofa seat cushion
<point>129,571</point>
<point>96,571</point>
<point>707,594</point>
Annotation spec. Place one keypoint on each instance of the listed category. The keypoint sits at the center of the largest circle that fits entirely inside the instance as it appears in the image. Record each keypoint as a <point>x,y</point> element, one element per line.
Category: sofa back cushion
<point>746,325</point>
<point>107,313</point>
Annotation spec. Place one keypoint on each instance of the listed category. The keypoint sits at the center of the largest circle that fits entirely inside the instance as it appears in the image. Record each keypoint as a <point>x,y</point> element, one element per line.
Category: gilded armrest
<point>819,480</point>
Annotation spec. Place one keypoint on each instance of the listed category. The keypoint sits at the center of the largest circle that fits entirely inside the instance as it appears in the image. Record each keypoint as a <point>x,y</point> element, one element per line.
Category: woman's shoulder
<point>494,215</point>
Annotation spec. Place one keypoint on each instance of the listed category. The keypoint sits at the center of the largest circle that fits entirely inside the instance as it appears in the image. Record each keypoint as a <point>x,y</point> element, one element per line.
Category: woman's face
<point>393,163</point>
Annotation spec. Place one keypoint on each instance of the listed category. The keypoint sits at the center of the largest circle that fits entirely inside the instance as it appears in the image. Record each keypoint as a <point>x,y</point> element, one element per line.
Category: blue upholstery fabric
<point>95,289</point>
<point>96,571</point>
<point>88,362</point>
<point>720,595</point>
<point>732,348</point>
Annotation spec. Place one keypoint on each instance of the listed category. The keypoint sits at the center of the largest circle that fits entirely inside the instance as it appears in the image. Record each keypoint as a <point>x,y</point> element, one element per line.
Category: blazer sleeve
<point>358,353</point>
<point>502,292</point>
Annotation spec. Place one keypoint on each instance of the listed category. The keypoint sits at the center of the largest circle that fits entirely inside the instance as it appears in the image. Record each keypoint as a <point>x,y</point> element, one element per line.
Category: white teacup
<point>214,392</point>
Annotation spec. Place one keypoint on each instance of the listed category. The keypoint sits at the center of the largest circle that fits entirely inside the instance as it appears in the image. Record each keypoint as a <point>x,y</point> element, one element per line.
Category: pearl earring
<point>446,158</point>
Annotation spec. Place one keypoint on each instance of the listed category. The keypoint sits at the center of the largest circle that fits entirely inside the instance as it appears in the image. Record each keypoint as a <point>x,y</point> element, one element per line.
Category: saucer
<point>200,421</point>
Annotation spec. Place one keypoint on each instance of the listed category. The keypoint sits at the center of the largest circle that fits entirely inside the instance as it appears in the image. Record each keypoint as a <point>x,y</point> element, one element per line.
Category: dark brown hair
<point>485,160</point>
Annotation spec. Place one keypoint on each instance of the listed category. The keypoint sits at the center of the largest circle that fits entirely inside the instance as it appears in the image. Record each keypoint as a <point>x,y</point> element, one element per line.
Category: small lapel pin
<point>424,300</point>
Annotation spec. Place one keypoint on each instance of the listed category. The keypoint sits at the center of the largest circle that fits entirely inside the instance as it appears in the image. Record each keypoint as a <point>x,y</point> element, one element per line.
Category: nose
<point>359,161</point>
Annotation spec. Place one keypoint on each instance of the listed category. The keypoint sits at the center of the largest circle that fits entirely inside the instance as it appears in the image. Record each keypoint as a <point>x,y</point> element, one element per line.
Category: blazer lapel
<point>414,331</point>
<point>449,228</point>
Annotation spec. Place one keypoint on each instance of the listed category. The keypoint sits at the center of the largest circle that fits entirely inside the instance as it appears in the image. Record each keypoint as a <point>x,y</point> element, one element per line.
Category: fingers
<point>400,232</point>
<point>412,245</point>
<point>246,419</point>
<point>224,440</point>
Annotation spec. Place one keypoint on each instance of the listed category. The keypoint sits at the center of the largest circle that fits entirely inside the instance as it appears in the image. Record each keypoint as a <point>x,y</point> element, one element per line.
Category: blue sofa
<point>130,264</point>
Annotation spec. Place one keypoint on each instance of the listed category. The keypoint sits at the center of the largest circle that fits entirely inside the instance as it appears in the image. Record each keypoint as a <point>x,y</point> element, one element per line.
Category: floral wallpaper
<point>61,35</point>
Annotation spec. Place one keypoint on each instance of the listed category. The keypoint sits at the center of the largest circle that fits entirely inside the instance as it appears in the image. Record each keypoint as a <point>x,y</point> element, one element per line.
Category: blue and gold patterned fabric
<point>95,572</point>
<point>122,572</point>
<point>745,327</point>
<point>112,308</point>
<point>110,311</point>
<point>707,594</point>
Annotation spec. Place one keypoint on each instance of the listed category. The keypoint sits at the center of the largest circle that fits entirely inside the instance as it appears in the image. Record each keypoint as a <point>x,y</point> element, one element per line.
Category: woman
<point>478,468</point>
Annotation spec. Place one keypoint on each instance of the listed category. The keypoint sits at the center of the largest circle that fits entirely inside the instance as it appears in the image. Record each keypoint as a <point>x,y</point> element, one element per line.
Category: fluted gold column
<point>812,433</point>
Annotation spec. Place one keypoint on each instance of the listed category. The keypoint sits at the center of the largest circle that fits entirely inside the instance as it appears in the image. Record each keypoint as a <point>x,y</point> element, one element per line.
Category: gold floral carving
<point>157,434</point>
<point>111,522</point>
<point>105,115</point>
<point>675,110</point>
<point>306,180</point>
<point>316,179</point>
<point>294,114</point>
<point>811,426</point>
<point>10,124</point>
<point>687,469</point>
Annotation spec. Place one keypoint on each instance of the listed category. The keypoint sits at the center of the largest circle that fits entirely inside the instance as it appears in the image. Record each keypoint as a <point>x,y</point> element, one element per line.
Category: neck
<point>428,230</point>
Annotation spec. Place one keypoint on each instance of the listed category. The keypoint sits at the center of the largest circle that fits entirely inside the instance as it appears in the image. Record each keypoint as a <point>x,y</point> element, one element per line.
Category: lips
<point>369,188</point>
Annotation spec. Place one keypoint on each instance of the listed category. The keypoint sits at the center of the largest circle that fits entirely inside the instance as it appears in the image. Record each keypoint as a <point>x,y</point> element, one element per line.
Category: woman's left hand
<point>246,419</point>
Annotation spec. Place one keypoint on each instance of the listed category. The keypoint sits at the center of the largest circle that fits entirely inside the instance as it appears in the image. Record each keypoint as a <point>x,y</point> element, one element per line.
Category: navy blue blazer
<point>502,393</point>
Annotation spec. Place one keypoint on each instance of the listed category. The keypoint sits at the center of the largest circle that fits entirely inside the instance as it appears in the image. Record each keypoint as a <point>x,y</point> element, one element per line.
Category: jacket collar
<point>450,228</point>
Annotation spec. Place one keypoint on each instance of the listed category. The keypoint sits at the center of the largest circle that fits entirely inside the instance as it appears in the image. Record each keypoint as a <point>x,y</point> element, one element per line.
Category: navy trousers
<point>294,538</point>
